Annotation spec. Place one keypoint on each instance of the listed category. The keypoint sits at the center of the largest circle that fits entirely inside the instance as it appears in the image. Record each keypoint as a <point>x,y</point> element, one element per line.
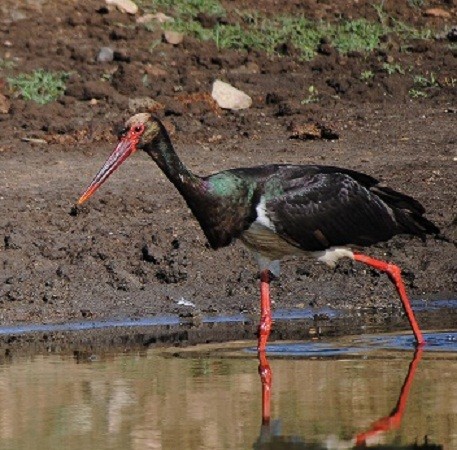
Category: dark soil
<point>135,249</point>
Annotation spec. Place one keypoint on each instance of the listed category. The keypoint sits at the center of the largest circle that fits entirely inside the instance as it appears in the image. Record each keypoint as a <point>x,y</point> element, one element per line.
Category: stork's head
<point>139,130</point>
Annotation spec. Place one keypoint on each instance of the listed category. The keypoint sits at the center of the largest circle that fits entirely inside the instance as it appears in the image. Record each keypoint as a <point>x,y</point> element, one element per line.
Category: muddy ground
<point>135,250</point>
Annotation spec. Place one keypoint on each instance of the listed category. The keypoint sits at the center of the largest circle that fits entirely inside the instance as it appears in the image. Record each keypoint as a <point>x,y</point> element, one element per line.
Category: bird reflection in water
<point>271,439</point>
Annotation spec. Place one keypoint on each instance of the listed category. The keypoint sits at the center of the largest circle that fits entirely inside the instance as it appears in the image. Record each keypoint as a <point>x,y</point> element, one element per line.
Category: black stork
<point>276,210</point>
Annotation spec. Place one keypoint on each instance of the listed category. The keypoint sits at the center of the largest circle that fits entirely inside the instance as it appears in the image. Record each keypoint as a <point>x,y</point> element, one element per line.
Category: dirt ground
<point>135,249</point>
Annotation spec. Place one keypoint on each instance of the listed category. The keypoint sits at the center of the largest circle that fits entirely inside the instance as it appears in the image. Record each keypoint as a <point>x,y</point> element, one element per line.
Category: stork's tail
<point>408,212</point>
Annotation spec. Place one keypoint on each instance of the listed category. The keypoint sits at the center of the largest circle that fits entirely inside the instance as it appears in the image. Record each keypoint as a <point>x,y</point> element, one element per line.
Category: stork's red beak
<point>123,150</point>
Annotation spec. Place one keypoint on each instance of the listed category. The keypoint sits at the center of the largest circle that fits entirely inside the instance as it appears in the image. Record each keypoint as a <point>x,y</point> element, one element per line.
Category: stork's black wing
<point>326,206</point>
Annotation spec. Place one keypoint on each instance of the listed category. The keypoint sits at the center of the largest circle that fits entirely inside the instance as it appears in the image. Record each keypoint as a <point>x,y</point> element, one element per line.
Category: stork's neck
<point>213,199</point>
<point>162,152</point>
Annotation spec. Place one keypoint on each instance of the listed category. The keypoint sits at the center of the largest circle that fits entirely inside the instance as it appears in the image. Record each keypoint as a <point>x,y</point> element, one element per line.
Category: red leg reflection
<point>265,310</point>
<point>266,379</point>
<point>394,273</point>
<point>394,419</point>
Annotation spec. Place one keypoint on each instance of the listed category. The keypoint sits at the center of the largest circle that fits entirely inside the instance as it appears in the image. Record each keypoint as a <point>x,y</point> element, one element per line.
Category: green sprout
<point>40,86</point>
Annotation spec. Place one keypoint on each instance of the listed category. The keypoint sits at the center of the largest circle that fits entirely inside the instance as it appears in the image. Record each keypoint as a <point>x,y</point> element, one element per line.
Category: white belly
<point>260,239</point>
<point>269,248</point>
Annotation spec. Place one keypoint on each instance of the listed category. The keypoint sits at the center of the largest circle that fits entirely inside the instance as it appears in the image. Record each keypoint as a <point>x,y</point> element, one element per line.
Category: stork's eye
<point>138,129</point>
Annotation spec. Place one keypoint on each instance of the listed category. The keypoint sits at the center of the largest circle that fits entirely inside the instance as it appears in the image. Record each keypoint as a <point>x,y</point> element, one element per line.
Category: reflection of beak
<point>123,150</point>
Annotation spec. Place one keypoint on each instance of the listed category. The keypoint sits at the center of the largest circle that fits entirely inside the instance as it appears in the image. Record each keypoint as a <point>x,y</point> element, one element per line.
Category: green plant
<point>416,3</point>
<point>313,96</point>
<point>392,68</point>
<point>191,27</point>
<point>356,35</point>
<point>268,35</point>
<point>423,81</point>
<point>153,45</point>
<point>367,75</point>
<point>6,64</point>
<point>382,15</point>
<point>185,8</point>
<point>303,34</point>
<point>272,35</point>
<point>40,86</point>
<point>235,36</point>
<point>415,93</point>
<point>406,31</point>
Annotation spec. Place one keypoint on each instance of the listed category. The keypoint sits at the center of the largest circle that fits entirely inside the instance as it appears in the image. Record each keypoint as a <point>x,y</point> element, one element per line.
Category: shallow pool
<point>334,394</point>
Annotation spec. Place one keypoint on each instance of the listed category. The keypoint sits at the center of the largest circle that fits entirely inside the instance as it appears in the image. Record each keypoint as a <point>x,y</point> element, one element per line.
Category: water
<point>326,394</point>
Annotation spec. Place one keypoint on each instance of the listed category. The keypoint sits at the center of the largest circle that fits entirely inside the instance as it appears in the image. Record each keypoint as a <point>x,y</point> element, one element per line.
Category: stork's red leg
<point>265,310</point>
<point>266,380</point>
<point>394,274</point>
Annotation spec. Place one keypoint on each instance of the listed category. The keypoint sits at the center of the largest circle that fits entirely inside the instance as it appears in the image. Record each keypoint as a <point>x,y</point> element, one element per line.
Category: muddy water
<point>327,394</point>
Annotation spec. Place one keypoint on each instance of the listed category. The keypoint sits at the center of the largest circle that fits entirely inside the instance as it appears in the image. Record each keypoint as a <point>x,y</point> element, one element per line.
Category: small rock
<point>390,59</point>
<point>173,37</point>
<point>183,302</point>
<point>126,6</point>
<point>312,130</point>
<point>34,140</point>
<point>228,97</point>
<point>437,12</point>
<point>106,54</point>
<point>248,68</point>
<point>5,104</point>
<point>159,17</point>
<point>156,71</point>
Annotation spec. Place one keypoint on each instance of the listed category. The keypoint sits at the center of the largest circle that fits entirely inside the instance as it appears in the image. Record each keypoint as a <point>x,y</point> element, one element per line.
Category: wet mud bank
<point>89,339</point>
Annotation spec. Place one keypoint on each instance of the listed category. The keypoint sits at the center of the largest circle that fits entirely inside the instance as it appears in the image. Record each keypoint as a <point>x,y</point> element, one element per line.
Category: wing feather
<point>320,210</point>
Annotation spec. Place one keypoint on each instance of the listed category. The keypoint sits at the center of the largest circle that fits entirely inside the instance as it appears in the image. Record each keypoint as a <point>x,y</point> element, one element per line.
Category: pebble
<point>173,37</point>
<point>5,104</point>
<point>229,97</point>
<point>156,71</point>
<point>126,6</point>
<point>438,12</point>
<point>159,17</point>
<point>106,54</point>
<point>248,68</point>
<point>183,302</point>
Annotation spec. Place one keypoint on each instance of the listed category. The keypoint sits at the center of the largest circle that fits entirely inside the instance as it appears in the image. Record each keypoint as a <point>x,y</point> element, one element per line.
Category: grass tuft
<point>185,8</point>
<point>356,35</point>
<point>253,31</point>
<point>39,86</point>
